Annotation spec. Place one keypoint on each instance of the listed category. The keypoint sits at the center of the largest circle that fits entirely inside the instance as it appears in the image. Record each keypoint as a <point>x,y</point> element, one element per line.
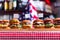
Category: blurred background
<point>29,9</point>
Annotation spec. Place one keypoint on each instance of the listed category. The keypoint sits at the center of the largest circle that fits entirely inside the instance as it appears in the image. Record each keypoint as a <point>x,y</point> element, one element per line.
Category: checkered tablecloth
<point>36,35</point>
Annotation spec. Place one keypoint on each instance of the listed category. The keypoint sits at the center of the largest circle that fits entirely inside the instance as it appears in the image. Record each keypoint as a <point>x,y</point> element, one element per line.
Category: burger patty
<point>14,25</point>
<point>57,23</point>
<point>38,24</point>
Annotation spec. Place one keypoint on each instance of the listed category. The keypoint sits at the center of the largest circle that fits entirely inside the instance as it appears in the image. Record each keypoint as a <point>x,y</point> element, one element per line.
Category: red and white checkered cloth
<point>30,35</point>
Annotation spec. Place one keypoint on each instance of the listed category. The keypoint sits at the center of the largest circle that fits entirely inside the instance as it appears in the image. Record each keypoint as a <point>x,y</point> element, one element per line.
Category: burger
<point>26,24</point>
<point>38,23</point>
<point>49,23</point>
<point>57,22</point>
<point>14,23</point>
<point>4,24</point>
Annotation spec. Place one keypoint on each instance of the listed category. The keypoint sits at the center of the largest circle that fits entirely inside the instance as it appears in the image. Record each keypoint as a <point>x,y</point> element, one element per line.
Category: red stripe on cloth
<point>35,17</point>
<point>48,2</point>
<point>33,11</point>
<point>33,7</point>
<point>30,11</point>
<point>28,0</point>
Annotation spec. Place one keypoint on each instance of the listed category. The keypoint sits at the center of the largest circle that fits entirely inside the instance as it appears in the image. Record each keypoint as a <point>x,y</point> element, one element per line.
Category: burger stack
<point>14,23</point>
<point>4,24</point>
<point>38,23</point>
<point>57,22</point>
<point>49,23</point>
<point>27,24</point>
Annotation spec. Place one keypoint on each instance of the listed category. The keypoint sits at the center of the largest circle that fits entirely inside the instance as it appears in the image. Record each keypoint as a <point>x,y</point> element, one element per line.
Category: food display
<point>57,23</point>
<point>49,23</point>
<point>26,24</point>
<point>38,23</point>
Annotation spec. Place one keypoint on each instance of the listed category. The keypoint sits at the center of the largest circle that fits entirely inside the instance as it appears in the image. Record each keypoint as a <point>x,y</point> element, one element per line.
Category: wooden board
<point>41,29</point>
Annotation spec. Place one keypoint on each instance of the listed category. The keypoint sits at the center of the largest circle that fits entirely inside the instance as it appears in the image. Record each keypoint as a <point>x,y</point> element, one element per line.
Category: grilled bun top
<point>57,19</point>
<point>14,21</point>
<point>49,20</point>
<point>39,20</point>
<point>26,21</point>
<point>6,21</point>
